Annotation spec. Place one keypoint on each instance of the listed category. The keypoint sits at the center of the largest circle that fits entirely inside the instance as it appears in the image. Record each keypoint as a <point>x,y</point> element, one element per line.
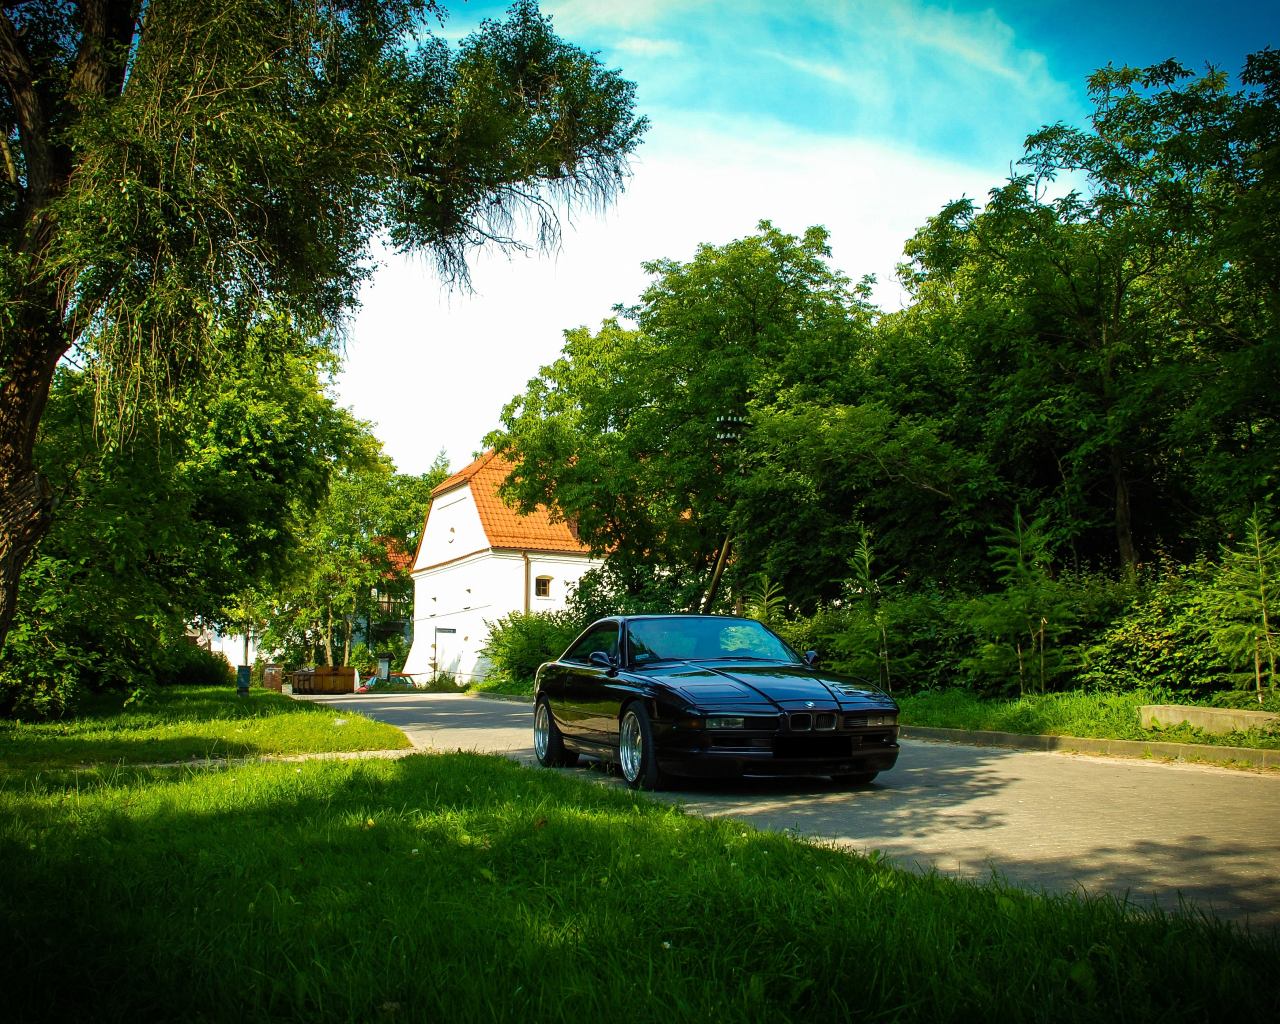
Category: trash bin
<point>244,673</point>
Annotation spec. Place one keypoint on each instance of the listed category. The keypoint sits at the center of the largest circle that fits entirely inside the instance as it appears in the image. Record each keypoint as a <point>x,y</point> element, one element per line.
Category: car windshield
<point>703,638</point>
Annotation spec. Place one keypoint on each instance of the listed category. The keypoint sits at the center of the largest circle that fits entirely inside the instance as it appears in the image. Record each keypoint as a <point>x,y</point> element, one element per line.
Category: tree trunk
<point>26,500</point>
<point>1022,675</point>
<point>1124,519</point>
<point>38,330</point>
<point>328,638</point>
<point>715,576</point>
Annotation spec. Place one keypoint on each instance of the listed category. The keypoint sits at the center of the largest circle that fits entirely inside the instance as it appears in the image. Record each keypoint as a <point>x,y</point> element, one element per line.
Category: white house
<point>478,560</point>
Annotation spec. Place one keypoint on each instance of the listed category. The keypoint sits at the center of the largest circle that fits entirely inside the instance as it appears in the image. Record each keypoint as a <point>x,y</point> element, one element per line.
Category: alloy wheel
<point>631,746</point>
<point>541,730</point>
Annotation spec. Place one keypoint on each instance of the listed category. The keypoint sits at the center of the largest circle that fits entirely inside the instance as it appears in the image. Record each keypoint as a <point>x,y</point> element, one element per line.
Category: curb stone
<point>1125,748</point>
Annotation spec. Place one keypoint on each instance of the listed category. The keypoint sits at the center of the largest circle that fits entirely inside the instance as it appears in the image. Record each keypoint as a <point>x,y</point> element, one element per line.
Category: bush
<point>189,664</point>
<point>520,642</point>
<point>1161,642</point>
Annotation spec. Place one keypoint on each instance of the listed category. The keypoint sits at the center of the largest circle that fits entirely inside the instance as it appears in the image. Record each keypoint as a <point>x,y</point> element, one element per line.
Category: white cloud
<point>650,47</point>
<point>434,369</point>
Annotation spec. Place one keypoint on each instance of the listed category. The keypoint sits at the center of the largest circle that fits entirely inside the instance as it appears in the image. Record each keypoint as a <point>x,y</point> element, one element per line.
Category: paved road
<point>1049,820</point>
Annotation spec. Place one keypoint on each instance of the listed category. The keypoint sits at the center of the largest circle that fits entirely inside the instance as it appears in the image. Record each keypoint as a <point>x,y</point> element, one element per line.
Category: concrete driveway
<point>1055,821</point>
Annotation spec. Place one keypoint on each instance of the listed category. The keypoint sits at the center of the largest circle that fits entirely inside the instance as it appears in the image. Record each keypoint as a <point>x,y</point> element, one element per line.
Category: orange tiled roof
<point>502,525</point>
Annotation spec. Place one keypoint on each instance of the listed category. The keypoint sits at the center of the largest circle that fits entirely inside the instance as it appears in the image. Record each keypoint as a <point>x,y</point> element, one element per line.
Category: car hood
<point>787,687</point>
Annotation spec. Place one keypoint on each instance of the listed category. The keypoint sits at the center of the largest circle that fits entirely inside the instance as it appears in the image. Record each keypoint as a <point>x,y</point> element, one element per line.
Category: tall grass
<point>464,888</point>
<point>179,723</point>
<point>1079,713</point>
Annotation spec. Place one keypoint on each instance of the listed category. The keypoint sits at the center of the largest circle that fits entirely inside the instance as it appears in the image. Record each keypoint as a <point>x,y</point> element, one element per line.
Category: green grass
<point>183,722</point>
<point>465,888</point>
<point>1104,716</point>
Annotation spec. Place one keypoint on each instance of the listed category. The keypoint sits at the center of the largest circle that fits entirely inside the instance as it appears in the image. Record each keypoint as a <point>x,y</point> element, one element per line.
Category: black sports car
<point>707,695</point>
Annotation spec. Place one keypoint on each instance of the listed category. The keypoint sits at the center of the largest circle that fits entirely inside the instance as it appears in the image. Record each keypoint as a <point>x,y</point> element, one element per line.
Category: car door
<point>589,712</point>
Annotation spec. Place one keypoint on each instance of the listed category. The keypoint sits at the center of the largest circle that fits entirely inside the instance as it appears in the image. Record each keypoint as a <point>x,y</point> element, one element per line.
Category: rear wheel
<point>548,742</point>
<point>854,778</point>
<point>636,755</point>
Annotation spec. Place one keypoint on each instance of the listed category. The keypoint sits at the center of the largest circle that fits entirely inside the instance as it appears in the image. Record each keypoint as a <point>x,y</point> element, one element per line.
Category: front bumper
<point>721,762</point>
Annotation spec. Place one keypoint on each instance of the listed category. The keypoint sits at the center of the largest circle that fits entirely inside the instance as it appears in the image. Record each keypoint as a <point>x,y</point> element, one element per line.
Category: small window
<point>542,586</point>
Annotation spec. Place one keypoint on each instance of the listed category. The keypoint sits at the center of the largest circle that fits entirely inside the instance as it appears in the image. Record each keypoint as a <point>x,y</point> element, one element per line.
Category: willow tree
<point>176,171</point>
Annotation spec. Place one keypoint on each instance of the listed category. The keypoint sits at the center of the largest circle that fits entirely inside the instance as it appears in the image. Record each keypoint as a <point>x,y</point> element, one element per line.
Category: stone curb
<point>517,698</point>
<point>1125,748</point>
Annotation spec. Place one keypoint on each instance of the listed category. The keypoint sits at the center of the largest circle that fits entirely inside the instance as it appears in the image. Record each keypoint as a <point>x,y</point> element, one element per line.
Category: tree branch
<point>33,127</point>
<point>108,25</point>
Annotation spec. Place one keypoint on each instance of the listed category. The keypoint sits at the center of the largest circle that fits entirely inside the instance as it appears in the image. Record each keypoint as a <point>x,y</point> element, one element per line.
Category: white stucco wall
<point>462,595</point>
<point>453,529</point>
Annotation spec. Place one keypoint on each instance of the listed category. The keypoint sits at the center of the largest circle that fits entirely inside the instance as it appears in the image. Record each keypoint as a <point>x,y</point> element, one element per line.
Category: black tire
<point>636,755</point>
<point>854,779</point>
<point>548,741</point>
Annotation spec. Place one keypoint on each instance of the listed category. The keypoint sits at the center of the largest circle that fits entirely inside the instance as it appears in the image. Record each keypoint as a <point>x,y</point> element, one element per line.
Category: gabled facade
<point>478,560</point>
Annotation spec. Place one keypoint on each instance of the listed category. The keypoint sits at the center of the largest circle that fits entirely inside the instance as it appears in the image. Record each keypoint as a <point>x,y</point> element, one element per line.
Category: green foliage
<point>1242,602</point>
<point>620,588</point>
<point>1161,641</point>
<point>521,641</point>
<point>276,891</point>
<point>350,573</point>
<point>1099,715</point>
<point>171,526</point>
<point>634,435</point>
<point>765,600</point>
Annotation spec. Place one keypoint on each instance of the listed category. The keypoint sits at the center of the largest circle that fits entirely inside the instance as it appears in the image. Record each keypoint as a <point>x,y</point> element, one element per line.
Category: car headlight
<point>726,723</point>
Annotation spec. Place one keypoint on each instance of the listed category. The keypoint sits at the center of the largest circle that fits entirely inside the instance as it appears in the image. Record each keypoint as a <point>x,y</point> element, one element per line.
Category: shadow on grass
<point>463,887</point>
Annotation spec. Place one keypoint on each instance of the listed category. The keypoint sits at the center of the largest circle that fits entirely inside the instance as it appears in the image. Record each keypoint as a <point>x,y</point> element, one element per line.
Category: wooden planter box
<point>325,679</point>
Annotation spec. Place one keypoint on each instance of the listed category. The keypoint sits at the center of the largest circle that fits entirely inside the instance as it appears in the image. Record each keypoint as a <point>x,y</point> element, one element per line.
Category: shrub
<point>1160,642</point>
<point>518,643</point>
<point>188,664</point>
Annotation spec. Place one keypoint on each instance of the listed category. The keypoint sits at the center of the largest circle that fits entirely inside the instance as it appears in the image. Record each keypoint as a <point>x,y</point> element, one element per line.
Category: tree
<point>1242,602</point>
<point>634,435</point>
<point>353,558</point>
<point>188,520</point>
<point>179,171</point>
<point>1032,613</point>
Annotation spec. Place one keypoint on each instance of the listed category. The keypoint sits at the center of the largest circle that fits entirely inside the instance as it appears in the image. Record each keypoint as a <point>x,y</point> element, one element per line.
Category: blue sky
<point>955,79</point>
<point>864,117</point>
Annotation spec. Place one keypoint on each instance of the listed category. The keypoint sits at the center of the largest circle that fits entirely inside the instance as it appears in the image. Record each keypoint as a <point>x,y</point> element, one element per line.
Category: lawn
<point>1104,716</point>
<point>179,723</point>
<point>466,888</point>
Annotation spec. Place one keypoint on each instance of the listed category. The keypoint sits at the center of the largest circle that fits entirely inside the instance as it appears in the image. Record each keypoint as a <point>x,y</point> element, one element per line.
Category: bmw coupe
<point>707,695</point>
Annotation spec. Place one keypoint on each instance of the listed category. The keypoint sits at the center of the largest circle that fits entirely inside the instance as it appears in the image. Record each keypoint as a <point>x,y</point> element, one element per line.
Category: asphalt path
<point>1047,820</point>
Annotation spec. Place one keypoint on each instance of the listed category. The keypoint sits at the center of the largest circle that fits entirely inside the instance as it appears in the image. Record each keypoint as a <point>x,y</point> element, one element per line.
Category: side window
<point>603,637</point>
<point>542,586</point>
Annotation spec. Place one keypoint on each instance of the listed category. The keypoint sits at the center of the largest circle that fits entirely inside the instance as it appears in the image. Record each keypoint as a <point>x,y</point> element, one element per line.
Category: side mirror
<point>601,660</point>
<point>811,658</point>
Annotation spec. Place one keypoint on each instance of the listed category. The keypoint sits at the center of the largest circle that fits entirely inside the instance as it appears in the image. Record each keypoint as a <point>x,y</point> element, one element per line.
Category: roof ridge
<point>465,473</point>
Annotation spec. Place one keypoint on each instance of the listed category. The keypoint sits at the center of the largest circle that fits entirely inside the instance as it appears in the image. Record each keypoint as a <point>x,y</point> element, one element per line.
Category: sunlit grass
<point>183,722</point>
<point>1098,715</point>
<point>465,888</point>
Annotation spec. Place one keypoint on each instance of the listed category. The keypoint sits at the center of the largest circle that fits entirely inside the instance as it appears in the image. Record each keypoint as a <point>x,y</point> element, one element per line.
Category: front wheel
<point>636,754</point>
<point>548,742</point>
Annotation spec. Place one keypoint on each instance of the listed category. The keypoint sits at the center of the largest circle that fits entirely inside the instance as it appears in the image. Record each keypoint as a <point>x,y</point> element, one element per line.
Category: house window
<point>542,586</point>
